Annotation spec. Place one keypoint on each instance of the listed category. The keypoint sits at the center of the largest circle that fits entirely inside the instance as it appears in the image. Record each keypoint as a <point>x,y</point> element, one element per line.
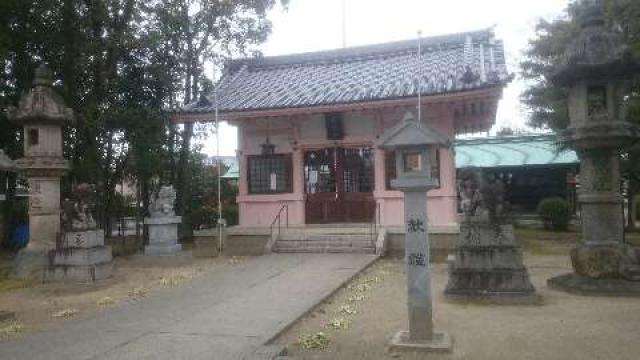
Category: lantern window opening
<point>33,137</point>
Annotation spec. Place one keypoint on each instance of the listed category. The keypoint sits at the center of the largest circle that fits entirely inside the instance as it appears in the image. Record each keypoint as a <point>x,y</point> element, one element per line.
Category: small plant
<point>11,328</point>
<point>318,341</point>
<point>66,313</point>
<point>360,288</point>
<point>554,213</point>
<point>348,310</point>
<point>105,301</point>
<point>339,324</point>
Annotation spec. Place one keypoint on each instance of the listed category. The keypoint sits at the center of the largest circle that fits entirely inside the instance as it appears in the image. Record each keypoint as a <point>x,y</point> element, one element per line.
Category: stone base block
<point>441,342</point>
<point>205,247</point>
<point>79,274</point>
<point>7,316</point>
<point>82,257</point>
<point>162,250</point>
<point>502,298</point>
<point>30,264</point>
<point>581,285</point>
<point>84,239</point>
<point>469,282</point>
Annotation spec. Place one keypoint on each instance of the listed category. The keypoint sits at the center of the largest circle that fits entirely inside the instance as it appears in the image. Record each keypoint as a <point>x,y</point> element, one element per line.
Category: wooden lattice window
<point>270,174</point>
<point>390,168</point>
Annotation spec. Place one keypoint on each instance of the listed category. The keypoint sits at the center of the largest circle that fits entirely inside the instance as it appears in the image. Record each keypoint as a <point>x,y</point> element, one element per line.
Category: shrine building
<point>307,124</point>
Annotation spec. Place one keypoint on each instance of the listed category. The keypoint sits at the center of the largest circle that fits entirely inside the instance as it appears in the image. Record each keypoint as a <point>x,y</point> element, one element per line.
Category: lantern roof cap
<point>41,105</point>
<point>408,133</point>
<point>596,52</point>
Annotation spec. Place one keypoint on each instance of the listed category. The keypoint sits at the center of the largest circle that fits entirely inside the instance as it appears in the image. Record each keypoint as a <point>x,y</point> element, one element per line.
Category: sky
<point>312,25</point>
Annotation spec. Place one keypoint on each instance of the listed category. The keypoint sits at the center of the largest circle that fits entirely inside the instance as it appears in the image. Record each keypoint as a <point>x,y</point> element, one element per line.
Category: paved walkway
<point>222,316</point>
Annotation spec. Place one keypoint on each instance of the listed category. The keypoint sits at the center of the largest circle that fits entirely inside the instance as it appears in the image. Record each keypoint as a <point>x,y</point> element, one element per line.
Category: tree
<point>548,104</point>
<point>121,64</point>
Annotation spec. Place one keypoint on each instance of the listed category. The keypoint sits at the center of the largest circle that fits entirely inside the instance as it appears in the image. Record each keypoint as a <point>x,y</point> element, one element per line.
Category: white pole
<point>419,76</point>
<point>218,166</point>
<point>344,24</point>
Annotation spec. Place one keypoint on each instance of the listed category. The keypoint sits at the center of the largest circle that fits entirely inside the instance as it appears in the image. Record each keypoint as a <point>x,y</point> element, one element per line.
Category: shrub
<point>554,213</point>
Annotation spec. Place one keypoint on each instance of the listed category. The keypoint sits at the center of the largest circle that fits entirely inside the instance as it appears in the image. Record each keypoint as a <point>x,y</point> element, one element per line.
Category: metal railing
<point>278,219</point>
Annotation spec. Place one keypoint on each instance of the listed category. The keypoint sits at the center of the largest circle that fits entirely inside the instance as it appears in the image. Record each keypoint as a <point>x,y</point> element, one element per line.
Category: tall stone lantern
<point>42,113</point>
<point>414,146</point>
<point>595,69</point>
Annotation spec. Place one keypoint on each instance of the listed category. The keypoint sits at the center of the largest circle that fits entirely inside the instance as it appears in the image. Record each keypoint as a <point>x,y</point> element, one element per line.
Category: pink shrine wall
<point>294,135</point>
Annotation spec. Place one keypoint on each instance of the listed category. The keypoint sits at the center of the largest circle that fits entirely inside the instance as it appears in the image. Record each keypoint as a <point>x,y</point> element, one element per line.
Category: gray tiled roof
<point>449,63</point>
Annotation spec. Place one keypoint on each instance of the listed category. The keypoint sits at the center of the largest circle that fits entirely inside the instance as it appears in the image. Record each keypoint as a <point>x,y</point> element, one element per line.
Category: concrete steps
<point>356,240</point>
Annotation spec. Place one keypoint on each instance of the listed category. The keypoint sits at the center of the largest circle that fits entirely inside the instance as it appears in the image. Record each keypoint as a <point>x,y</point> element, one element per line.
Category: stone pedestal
<point>488,266</point>
<point>83,258</point>
<point>163,236</point>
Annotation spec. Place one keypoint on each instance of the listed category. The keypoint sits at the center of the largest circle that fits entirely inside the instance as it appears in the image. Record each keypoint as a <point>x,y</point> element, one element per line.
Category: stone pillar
<point>42,113</point>
<point>418,272</point>
<point>413,145</point>
<point>600,199</point>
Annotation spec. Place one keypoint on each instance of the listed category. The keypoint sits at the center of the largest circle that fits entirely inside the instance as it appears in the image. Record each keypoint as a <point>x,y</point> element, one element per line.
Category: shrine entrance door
<point>339,185</point>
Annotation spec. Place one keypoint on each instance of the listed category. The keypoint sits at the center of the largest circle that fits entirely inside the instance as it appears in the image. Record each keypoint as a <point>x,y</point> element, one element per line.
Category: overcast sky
<point>310,25</point>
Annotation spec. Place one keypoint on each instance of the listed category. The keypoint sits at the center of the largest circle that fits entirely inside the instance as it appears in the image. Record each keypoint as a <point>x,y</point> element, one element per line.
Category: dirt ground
<point>42,306</point>
<point>564,327</point>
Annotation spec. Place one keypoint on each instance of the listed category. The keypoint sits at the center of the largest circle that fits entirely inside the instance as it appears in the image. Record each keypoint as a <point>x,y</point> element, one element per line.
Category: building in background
<point>307,125</point>
<point>532,167</point>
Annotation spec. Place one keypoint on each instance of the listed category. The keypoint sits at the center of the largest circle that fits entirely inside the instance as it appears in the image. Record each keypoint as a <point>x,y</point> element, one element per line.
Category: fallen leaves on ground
<point>10,329</point>
<point>339,323</point>
<point>348,310</point>
<point>66,313</point>
<point>175,279</point>
<point>235,260</point>
<point>106,301</point>
<point>138,291</point>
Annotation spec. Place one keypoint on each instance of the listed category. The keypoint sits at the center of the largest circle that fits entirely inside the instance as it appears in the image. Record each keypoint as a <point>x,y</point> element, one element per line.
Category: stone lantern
<point>42,113</point>
<point>414,146</point>
<point>595,69</point>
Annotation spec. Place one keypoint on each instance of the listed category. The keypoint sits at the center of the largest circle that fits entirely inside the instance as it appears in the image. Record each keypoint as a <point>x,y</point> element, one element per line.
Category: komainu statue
<point>488,261</point>
<point>76,214</point>
<point>162,202</point>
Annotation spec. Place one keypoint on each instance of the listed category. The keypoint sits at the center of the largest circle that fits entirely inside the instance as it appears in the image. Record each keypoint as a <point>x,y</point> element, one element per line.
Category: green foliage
<point>120,64</point>
<point>318,341</point>
<point>547,103</point>
<point>554,213</point>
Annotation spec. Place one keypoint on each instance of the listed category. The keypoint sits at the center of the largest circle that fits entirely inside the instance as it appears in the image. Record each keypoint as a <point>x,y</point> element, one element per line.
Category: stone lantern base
<point>440,342</point>
<point>601,270</point>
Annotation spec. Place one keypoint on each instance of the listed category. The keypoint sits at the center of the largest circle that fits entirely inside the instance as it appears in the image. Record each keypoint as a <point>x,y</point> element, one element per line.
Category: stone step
<point>326,242</point>
<point>319,250</point>
<point>82,257</point>
<point>336,236</point>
